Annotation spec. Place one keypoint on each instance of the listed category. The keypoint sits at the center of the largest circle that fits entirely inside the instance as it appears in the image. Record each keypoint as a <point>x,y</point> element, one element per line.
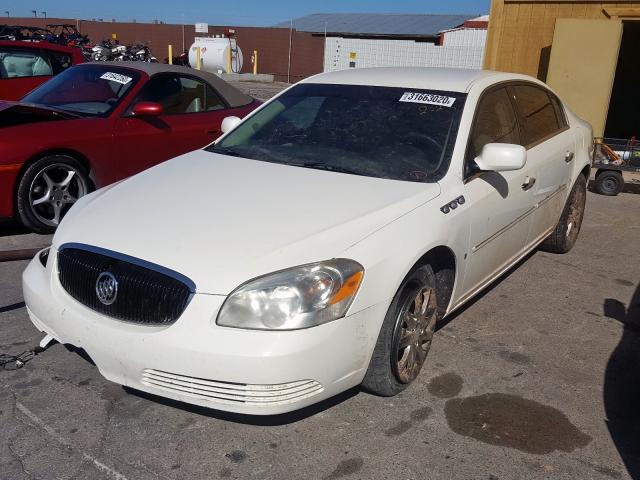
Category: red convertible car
<point>97,123</point>
<point>25,65</point>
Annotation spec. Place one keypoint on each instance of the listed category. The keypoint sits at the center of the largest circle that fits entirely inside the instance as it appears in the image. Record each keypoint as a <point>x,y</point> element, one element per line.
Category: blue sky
<point>236,12</point>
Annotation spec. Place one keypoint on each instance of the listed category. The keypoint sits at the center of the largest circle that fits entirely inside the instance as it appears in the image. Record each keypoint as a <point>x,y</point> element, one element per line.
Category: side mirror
<point>147,109</point>
<point>229,123</point>
<point>501,157</point>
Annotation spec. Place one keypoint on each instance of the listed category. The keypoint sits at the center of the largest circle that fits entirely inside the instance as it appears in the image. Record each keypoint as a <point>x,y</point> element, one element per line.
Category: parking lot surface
<point>537,378</point>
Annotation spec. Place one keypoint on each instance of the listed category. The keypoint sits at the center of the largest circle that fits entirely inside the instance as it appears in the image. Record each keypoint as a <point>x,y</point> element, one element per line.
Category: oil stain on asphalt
<point>446,385</point>
<point>514,422</point>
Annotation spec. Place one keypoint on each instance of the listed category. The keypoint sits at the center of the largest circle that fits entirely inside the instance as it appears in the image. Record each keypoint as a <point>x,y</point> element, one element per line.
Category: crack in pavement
<point>110,472</point>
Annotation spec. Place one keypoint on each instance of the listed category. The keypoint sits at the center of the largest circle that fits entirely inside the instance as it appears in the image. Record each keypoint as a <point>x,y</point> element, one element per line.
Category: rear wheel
<point>608,182</point>
<point>406,335</point>
<point>47,190</point>
<point>565,234</point>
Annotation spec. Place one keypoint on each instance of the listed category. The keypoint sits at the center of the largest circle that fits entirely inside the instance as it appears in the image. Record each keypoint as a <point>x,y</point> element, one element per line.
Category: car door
<point>500,202</point>
<point>550,150</point>
<point>21,70</point>
<point>191,118</point>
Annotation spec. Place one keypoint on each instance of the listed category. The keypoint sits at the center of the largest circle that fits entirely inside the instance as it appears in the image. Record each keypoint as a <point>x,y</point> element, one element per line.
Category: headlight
<point>298,297</point>
<point>43,256</point>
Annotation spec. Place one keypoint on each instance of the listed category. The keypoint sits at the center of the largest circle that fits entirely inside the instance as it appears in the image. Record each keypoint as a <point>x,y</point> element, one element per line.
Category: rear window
<point>22,62</point>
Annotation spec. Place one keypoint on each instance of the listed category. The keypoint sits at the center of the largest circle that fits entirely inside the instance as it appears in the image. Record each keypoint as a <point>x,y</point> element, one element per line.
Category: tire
<point>47,189</point>
<point>608,182</point>
<point>391,368</point>
<point>565,234</point>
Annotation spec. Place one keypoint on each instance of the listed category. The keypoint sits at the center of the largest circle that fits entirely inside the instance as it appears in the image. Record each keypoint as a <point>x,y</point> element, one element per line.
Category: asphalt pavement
<point>537,378</point>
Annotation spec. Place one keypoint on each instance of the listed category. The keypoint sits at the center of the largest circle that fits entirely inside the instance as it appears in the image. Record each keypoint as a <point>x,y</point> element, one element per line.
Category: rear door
<point>582,66</point>
<point>550,145</point>
<point>192,116</point>
<point>502,202</point>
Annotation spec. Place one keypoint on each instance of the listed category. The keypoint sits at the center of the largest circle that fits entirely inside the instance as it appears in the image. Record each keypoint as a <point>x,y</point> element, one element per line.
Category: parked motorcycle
<point>182,59</point>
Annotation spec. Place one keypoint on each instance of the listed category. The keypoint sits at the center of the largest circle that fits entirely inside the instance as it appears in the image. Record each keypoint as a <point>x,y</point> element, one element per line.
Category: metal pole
<point>170,54</point>
<point>289,62</point>
<point>183,36</point>
<point>198,58</point>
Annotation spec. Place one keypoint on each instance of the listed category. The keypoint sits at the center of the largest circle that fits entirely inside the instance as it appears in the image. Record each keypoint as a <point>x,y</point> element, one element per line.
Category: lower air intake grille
<point>142,296</point>
<point>225,392</point>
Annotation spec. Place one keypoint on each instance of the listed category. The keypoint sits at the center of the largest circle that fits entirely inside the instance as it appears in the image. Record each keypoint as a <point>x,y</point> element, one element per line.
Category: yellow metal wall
<point>521,32</point>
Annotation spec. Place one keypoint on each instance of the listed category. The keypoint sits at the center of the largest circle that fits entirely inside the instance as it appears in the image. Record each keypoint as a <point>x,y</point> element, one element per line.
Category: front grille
<point>229,393</point>
<point>144,295</point>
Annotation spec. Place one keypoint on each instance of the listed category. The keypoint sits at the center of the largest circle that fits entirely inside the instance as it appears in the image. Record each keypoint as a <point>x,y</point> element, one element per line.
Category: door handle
<point>528,183</point>
<point>568,156</point>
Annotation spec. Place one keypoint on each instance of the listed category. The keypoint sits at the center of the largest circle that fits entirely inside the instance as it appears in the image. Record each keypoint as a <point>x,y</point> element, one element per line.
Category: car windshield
<point>91,90</point>
<point>395,133</point>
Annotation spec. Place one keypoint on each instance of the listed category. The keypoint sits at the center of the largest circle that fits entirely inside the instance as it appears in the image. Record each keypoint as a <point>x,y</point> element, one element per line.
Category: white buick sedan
<point>317,244</point>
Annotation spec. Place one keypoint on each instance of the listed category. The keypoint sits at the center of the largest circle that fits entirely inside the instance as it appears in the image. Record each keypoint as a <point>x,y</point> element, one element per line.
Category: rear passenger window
<point>16,63</point>
<point>539,117</point>
<point>495,122</point>
<point>557,106</point>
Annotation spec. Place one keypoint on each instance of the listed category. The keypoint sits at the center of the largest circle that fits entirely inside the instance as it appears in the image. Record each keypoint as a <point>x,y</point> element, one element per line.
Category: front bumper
<point>198,362</point>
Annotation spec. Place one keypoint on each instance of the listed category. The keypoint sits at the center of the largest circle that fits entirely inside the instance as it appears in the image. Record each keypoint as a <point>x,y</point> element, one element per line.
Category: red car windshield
<point>92,90</point>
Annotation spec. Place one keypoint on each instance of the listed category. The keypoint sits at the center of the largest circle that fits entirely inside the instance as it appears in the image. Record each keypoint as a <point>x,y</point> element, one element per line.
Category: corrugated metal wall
<point>398,53</point>
<point>468,37</point>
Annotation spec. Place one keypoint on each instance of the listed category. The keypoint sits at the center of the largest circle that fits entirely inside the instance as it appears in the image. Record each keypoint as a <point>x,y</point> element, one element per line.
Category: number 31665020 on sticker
<point>427,98</point>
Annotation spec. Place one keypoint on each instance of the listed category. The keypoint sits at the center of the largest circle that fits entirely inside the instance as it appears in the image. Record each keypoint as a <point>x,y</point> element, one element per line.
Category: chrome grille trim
<point>230,393</point>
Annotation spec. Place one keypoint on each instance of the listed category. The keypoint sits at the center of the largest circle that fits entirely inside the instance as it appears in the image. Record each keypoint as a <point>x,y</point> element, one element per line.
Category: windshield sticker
<point>427,98</point>
<point>116,77</point>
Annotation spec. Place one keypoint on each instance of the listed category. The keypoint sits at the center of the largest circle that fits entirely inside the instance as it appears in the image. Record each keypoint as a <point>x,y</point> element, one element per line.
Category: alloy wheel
<point>53,190</point>
<point>413,334</point>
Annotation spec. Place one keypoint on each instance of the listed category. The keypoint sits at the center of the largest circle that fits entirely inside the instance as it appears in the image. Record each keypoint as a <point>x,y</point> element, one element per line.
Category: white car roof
<point>428,78</point>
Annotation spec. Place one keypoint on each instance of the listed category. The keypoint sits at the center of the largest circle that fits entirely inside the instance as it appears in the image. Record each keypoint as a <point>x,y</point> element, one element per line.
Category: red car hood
<point>17,113</point>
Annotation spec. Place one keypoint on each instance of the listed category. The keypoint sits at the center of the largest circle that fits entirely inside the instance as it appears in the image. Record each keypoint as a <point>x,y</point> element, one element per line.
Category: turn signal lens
<point>299,297</point>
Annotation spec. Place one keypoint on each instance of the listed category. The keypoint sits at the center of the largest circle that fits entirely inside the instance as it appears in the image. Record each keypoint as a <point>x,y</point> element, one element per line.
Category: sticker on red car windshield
<point>427,98</point>
<point>116,77</point>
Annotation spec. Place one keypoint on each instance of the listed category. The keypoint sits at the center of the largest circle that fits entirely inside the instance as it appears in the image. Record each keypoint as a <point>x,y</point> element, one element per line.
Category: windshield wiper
<point>330,168</point>
<point>224,151</point>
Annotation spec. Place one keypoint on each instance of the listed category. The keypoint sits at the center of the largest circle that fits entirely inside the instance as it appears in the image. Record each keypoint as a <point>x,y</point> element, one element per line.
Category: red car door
<point>191,115</point>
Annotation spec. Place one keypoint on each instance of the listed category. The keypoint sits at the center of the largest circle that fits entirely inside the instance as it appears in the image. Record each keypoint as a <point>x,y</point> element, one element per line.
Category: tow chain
<point>16,362</point>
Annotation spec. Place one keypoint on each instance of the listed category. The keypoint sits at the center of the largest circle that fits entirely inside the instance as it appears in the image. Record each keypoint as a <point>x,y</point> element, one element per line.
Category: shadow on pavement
<point>622,383</point>
<point>9,228</point>
<point>9,308</point>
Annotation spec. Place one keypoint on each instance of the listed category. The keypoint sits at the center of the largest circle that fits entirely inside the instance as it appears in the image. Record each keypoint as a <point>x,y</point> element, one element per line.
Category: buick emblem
<point>106,288</point>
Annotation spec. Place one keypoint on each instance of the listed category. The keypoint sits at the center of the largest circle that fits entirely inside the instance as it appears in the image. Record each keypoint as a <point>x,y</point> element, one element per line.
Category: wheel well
<point>59,151</point>
<point>443,261</point>
<point>586,171</point>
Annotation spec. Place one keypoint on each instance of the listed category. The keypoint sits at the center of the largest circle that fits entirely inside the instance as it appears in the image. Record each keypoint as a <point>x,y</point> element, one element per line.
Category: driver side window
<point>180,95</point>
<point>495,122</point>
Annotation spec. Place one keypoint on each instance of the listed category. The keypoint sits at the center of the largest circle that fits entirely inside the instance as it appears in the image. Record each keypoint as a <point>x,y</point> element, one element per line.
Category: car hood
<point>222,220</point>
<point>13,114</point>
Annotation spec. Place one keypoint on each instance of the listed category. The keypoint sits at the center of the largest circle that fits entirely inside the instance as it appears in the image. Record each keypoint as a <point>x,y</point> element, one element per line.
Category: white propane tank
<point>214,53</point>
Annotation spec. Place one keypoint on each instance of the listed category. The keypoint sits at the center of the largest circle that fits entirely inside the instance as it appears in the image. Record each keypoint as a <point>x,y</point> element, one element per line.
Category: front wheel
<point>406,335</point>
<point>47,190</point>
